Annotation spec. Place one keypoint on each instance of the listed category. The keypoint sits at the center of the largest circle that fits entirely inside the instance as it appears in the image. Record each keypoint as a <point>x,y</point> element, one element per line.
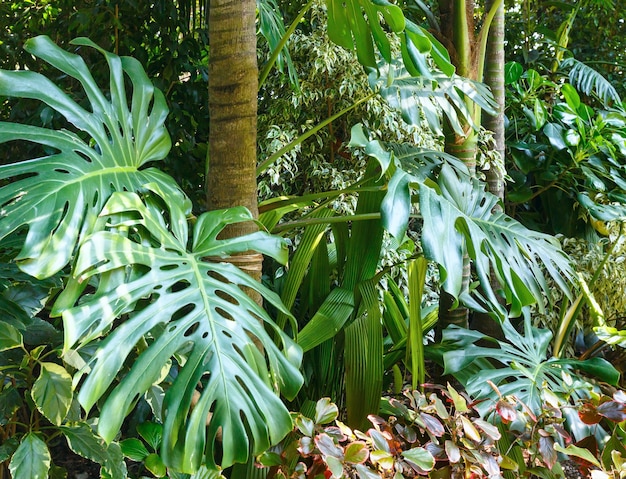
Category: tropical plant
<point>37,403</point>
<point>524,369</point>
<point>142,294</point>
<point>564,153</point>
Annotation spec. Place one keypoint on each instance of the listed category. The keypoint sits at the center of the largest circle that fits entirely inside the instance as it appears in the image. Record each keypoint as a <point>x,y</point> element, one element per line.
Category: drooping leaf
<point>356,24</point>
<point>589,81</point>
<point>460,217</point>
<point>418,98</point>
<point>58,196</point>
<point>201,310</point>
<point>272,27</point>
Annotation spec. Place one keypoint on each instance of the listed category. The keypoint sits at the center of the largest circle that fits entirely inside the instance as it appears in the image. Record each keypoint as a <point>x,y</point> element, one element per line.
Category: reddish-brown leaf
<point>588,413</point>
<point>547,451</point>
<point>613,410</point>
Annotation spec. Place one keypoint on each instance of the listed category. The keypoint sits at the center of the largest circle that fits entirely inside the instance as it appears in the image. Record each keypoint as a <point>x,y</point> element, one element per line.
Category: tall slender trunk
<point>457,20</point>
<point>494,78</point>
<point>233,84</point>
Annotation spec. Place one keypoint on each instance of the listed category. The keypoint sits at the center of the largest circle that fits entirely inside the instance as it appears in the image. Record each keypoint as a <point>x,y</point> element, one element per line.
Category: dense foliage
<point>130,338</point>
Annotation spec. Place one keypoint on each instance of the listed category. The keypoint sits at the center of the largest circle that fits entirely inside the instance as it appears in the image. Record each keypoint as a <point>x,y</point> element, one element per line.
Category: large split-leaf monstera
<point>195,310</point>
<point>157,298</point>
<point>59,196</point>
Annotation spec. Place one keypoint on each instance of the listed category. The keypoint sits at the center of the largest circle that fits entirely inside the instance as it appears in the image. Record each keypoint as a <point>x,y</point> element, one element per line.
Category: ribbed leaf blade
<point>59,196</point>
<point>201,309</point>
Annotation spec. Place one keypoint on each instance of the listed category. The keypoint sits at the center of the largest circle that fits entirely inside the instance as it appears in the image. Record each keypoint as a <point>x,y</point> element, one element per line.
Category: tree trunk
<point>457,21</point>
<point>494,78</point>
<point>233,85</point>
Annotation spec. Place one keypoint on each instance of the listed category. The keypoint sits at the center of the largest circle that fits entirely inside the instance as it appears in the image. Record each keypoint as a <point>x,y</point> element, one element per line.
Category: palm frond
<point>590,81</point>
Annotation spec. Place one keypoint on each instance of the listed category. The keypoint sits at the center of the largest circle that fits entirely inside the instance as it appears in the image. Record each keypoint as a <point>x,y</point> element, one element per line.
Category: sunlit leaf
<point>325,411</point>
<point>31,460</point>
<point>52,392</point>
<point>59,196</point>
<point>203,311</point>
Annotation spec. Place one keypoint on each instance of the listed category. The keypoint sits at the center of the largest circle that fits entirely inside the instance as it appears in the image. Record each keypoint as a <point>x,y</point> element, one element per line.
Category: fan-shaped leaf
<point>58,196</point>
<point>197,309</point>
<point>588,81</point>
<point>460,216</point>
<point>418,97</point>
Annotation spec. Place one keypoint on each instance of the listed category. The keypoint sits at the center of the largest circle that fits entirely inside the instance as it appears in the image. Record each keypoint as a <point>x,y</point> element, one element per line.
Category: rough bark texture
<point>233,85</point>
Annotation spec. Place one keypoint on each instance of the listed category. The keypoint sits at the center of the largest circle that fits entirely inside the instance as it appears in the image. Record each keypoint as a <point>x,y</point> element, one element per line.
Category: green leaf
<point>10,401</point>
<point>589,81</point>
<point>356,453</point>
<point>134,449</point>
<point>10,337</point>
<point>81,439</point>
<point>7,448</point>
<point>460,217</point>
<point>52,392</point>
<point>356,24</point>
<point>60,195</point>
<point>571,96</point>
<point>366,473</point>
<point>512,72</point>
<point>598,368</point>
<point>152,433</point>
<point>325,411</point>
<point>554,132</point>
<point>201,309</point>
<point>418,98</point>
<point>611,335</point>
<point>396,206</point>
<point>336,466</point>
<point>519,366</point>
<point>420,457</point>
<point>31,460</point>
<point>155,465</point>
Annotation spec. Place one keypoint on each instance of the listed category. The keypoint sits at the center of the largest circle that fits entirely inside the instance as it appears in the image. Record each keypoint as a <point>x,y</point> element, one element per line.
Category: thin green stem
<point>483,36</point>
<point>271,159</point>
<point>283,41</point>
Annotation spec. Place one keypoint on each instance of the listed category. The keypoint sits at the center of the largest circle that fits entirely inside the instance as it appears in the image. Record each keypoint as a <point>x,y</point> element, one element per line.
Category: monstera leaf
<point>176,303</point>
<point>459,216</point>
<point>58,196</point>
<point>429,97</point>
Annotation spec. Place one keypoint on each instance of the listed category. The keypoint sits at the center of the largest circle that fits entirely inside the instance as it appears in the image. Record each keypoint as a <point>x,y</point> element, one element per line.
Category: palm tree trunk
<point>494,78</point>
<point>233,84</point>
